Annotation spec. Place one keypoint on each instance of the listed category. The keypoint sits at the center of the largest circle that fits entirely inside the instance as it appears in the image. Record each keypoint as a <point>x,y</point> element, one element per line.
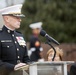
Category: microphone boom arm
<point>47,42</point>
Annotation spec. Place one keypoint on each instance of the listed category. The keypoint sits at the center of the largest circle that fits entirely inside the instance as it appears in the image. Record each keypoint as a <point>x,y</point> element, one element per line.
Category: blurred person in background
<point>13,51</point>
<point>35,44</point>
<point>73,69</point>
<point>59,54</point>
<point>58,57</point>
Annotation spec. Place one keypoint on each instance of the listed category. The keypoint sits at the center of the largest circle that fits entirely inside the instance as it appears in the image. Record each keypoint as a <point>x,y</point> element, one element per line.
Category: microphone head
<point>42,33</point>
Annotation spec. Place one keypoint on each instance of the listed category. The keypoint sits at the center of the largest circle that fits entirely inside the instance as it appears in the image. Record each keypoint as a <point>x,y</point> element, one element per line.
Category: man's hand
<point>19,65</point>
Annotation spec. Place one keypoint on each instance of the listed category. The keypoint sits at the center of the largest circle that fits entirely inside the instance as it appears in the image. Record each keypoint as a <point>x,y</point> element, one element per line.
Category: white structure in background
<point>12,2</point>
<point>5,3</point>
<point>2,4</point>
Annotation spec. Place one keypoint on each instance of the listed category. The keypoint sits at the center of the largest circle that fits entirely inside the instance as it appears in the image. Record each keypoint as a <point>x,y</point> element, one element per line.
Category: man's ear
<point>6,18</point>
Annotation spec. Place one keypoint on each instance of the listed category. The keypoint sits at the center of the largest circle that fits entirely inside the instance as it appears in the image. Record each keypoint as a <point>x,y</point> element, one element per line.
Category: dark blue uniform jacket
<point>12,48</point>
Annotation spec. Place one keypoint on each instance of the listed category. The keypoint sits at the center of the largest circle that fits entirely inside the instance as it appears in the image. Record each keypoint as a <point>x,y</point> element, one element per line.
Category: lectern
<point>49,68</point>
<point>41,68</point>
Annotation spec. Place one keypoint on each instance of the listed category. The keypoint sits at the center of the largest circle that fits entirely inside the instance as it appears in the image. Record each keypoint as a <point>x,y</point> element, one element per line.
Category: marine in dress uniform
<point>35,44</point>
<point>12,44</point>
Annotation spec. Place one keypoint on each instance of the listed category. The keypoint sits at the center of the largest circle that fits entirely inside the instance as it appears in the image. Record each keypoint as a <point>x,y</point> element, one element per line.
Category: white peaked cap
<point>14,10</point>
<point>36,25</point>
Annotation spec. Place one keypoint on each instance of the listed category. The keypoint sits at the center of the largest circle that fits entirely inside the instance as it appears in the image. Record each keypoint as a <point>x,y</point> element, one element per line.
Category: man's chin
<point>18,27</point>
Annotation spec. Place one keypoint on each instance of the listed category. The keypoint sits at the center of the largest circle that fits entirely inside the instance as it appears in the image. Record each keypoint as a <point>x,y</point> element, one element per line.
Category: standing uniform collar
<point>7,30</point>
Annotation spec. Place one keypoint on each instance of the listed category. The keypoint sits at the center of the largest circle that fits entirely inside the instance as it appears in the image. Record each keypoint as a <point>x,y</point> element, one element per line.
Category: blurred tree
<point>58,17</point>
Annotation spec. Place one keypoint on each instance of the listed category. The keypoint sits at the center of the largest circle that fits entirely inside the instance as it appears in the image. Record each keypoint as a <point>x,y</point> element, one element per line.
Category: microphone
<point>44,34</point>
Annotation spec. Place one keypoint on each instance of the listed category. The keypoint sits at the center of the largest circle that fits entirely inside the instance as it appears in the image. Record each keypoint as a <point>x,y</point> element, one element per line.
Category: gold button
<point>17,49</point>
<point>15,42</point>
<point>13,35</point>
<point>18,56</point>
<point>18,61</point>
<point>7,46</point>
<point>8,31</point>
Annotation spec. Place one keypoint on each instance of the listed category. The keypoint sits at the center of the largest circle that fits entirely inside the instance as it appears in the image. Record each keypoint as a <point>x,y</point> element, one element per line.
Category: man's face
<point>36,31</point>
<point>13,22</point>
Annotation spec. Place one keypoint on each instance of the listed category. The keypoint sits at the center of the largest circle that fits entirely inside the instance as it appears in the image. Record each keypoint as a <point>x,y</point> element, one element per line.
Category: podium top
<point>53,62</point>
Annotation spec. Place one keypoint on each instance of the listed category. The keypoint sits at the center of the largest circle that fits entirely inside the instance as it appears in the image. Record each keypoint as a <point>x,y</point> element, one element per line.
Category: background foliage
<point>58,17</point>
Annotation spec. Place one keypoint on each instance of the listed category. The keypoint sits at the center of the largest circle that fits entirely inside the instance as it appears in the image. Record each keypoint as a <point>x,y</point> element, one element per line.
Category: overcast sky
<point>4,4</point>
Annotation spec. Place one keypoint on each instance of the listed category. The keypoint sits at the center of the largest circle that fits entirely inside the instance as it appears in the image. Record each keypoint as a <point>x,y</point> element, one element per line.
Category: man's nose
<point>19,19</point>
